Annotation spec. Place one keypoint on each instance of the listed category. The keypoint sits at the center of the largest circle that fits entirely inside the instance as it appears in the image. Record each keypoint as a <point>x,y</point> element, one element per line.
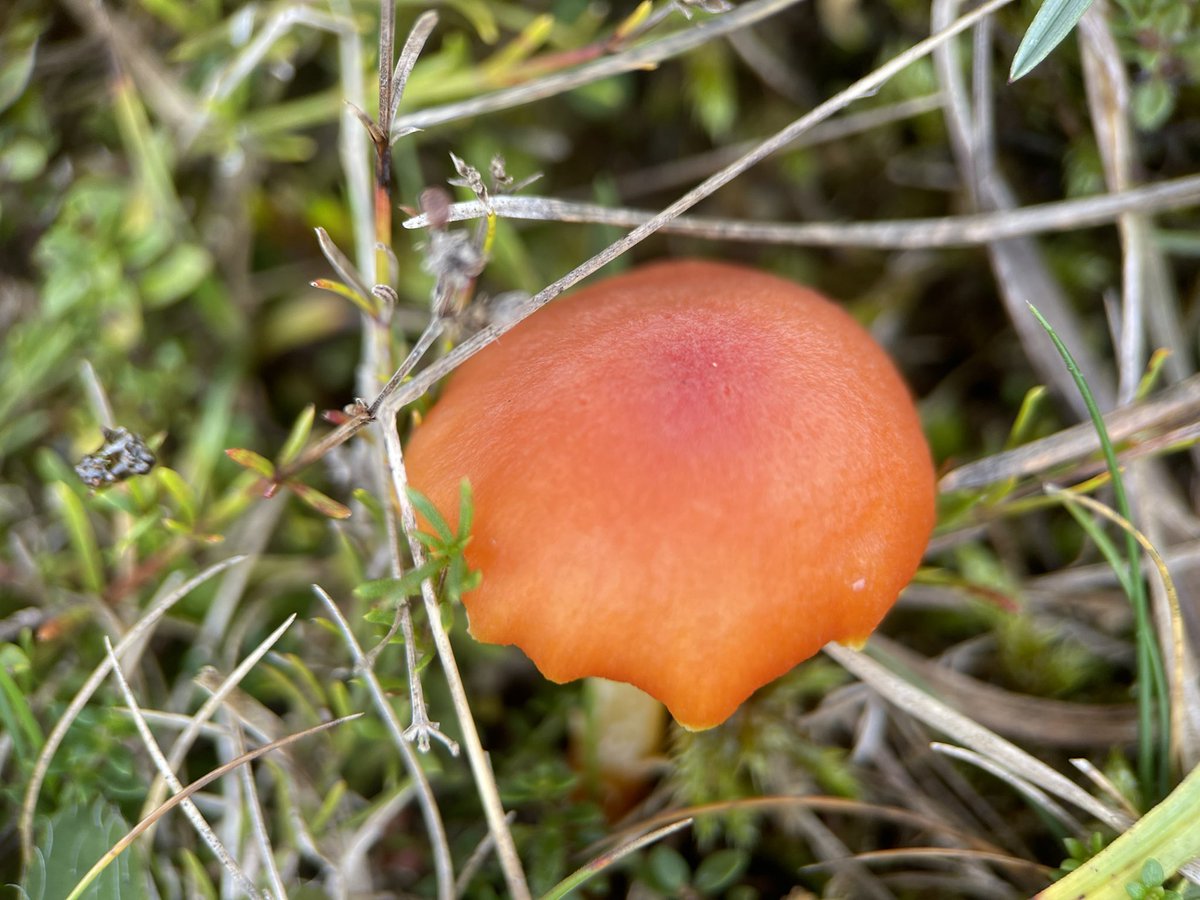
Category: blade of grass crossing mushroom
<point>120,846</point>
<point>1152,697</point>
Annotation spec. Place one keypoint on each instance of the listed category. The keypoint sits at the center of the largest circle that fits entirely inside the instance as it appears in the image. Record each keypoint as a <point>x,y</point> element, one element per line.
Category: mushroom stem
<point>481,769</point>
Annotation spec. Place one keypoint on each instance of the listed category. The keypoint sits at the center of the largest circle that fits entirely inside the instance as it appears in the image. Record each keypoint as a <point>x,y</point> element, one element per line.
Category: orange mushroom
<point>688,478</point>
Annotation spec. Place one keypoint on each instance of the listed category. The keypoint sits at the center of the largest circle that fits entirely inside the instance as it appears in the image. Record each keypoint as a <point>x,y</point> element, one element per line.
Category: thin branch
<point>258,820</point>
<point>898,234</point>
<point>481,769</point>
<point>442,862</point>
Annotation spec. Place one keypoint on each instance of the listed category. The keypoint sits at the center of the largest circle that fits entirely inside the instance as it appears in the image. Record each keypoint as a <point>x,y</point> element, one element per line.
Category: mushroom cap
<point>689,478</point>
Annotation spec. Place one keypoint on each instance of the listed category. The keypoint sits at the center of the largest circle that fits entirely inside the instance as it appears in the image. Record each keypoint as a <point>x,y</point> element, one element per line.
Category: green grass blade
<point>1050,27</point>
<point>1154,714</point>
<point>18,718</point>
<point>83,538</point>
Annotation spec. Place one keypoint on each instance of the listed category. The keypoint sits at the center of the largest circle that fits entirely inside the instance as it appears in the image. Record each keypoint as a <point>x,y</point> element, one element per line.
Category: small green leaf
<point>80,835</point>
<point>668,871</point>
<point>17,717</point>
<point>322,503</point>
<point>1023,425</point>
<point>252,461</point>
<point>466,509</point>
<point>423,505</point>
<point>298,436</point>
<point>23,159</point>
<point>83,537</point>
<point>180,491</point>
<point>393,590</point>
<point>18,50</point>
<point>1152,103</point>
<point>370,305</point>
<point>175,276</point>
<point>1152,873</point>
<point>1153,371</point>
<point>432,543</point>
<point>720,870</point>
<point>1050,27</point>
<point>410,582</point>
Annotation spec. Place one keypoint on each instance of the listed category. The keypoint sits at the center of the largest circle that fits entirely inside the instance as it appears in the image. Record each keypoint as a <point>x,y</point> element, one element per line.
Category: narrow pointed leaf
<point>370,305</point>
<point>298,437</point>
<point>432,516</point>
<point>181,492</point>
<point>322,503</point>
<point>83,538</point>
<point>466,509</point>
<point>260,465</point>
<point>341,263</point>
<point>1050,27</point>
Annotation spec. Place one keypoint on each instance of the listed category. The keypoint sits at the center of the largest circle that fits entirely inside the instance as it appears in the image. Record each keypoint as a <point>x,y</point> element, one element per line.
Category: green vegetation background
<point>157,241</point>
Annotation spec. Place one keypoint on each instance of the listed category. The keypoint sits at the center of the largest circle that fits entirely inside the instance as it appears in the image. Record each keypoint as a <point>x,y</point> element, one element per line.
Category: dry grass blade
<point>187,737</point>
<point>1020,270</point>
<point>160,762</point>
<point>1102,781</point>
<point>477,858</point>
<point>372,829</point>
<point>631,60</point>
<point>205,780</point>
<point>605,860</point>
<point>140,630</point>
<point>408,58</point>
<point>892,815</point>
<point>1185,722</point>
<point>963,729</point>
<point>258,819</point>
<point>933,853</point>
<point>1041,720</point>
<point>688,170</point>
<point>1020,785</point>
<point>1175,404</point>
<point>905,234</point>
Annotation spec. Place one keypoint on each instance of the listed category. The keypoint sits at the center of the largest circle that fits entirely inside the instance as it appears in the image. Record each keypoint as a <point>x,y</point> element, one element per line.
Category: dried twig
<point>900,234</point>
<point>429,809</point>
